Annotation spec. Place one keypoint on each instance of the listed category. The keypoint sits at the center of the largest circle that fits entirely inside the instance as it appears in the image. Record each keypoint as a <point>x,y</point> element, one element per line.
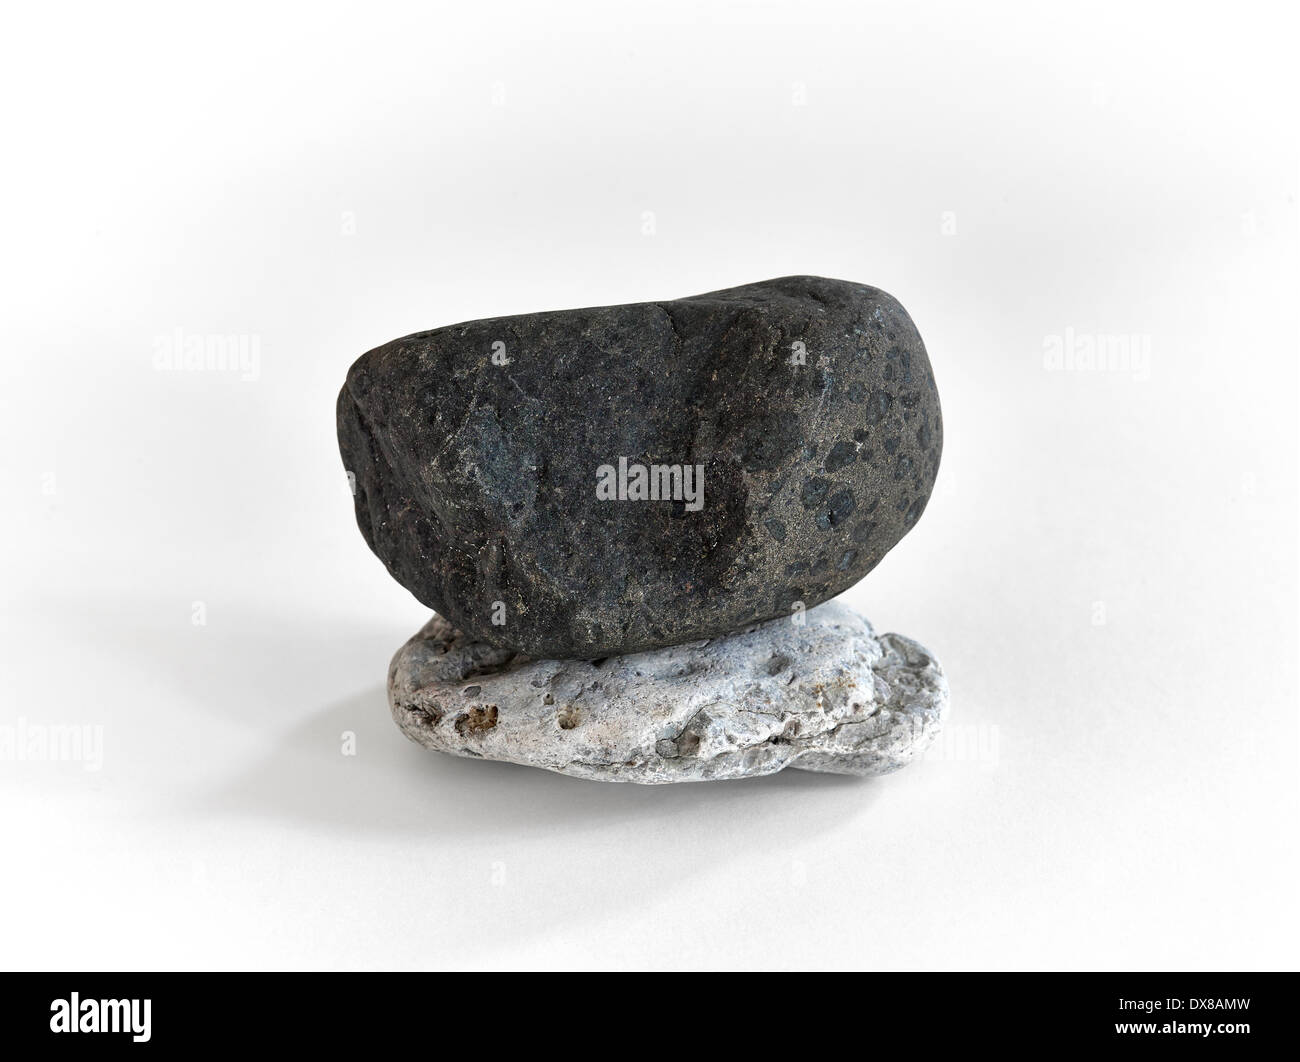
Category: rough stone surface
<point>810,404</point>
<point>828,695</point>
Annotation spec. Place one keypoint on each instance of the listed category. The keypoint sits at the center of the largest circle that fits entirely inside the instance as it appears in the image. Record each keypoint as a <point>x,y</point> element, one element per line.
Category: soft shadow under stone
<point>826,694</point>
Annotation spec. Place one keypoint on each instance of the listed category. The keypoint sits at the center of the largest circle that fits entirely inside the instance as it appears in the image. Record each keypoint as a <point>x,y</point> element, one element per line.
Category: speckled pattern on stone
<point>827,695</point>
<point>810,404</point>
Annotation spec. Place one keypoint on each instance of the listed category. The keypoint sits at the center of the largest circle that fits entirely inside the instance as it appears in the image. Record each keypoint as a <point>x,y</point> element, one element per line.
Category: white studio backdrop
<point>1107,568</point>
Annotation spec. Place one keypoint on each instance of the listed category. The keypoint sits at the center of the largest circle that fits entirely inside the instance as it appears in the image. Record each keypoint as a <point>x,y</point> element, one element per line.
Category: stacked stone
<point>626,519</point>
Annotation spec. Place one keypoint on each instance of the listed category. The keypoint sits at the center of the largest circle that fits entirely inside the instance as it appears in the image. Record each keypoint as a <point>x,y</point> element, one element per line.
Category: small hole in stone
<point>778,663</point>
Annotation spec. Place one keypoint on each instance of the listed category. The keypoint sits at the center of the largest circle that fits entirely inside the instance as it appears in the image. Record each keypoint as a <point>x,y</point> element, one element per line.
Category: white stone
<point>824,695</point>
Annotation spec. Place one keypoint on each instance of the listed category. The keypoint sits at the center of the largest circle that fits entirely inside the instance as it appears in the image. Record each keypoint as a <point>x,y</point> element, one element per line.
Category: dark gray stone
<point>809,403</point>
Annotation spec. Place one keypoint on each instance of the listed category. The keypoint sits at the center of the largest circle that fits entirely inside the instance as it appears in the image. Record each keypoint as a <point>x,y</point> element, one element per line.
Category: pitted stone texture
<point>828,695</point>
<point>809,404</point>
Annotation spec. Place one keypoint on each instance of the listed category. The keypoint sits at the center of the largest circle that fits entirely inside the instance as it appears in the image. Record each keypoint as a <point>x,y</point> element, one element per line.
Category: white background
<point>1107,568</point>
